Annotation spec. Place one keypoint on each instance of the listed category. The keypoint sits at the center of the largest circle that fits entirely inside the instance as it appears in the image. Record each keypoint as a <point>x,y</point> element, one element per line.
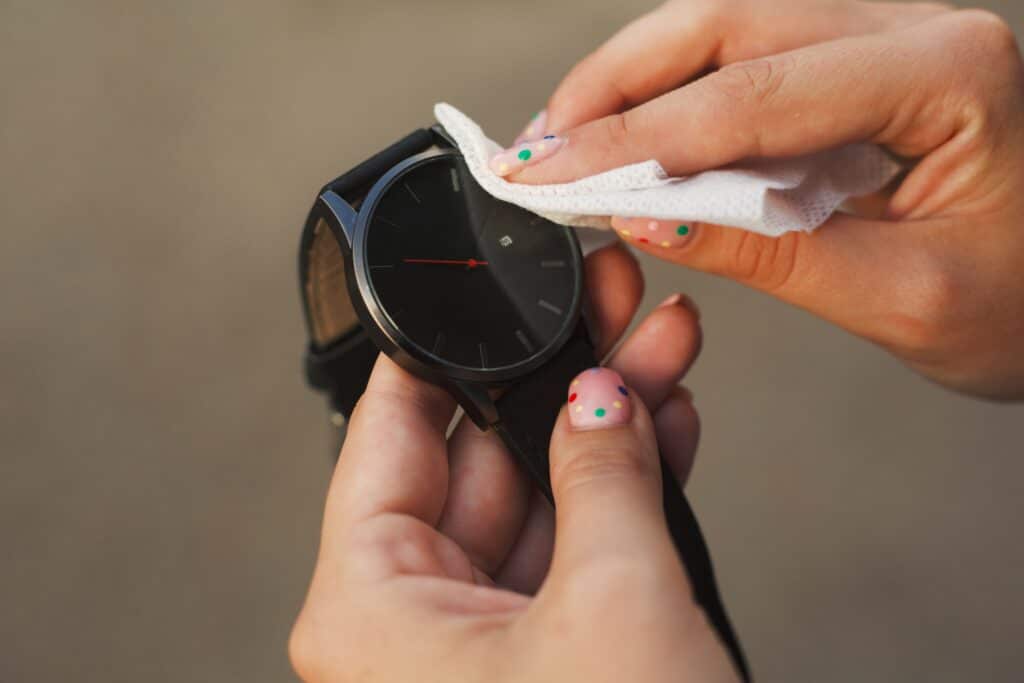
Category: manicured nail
<point>515,158</point>
<point>668,234</point>
<point>684,301</point>
<point>535,129</point>
<point>598,399</point>
<point>671,300</point>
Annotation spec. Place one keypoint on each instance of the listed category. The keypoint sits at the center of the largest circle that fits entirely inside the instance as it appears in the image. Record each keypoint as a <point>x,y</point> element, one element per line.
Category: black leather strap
<point>353,184</point>
<point>689,542</point>
<point>527,411</point>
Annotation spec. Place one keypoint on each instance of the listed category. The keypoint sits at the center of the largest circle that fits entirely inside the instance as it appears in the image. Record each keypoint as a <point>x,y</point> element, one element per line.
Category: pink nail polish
<point>667,234</point>
<point>684,301</point>
<point>535,129</point>
<point>598,399</point>
<point>515,158</point>
<point>672,300</point>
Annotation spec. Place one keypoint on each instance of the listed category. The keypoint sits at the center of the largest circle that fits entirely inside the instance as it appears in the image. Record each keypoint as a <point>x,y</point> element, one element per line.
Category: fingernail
<point>671,300</point>
<point>535,129</point>
<point>598,399</point>
<point>668,234</point>
<point>684,301</point>
<point>520,156</point>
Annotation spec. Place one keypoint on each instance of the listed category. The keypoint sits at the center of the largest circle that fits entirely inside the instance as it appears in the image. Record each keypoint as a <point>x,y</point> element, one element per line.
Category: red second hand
<point>472,263</point>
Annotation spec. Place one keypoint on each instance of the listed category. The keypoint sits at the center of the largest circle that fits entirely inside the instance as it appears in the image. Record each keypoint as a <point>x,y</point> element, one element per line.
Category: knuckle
<point>621,134</point>
<point>767,263</point>
<point>988,32</point>
<point>927,311</point>
<point>597,465</point>
<point>754,81</point>
<point>616,130</point>
<point>303,653</point>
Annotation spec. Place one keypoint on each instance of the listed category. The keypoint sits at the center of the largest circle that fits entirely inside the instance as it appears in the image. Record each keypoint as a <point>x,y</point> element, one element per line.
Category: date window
<point>505,241</point>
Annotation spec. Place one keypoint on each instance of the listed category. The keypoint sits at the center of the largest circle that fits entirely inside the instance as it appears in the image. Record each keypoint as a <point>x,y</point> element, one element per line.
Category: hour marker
<point>483,354</point>
<point>524,340</point>
<point>455,181</point>
<point>388,221</point>
<point>552,264</point>
<point>438,344</point>
<point>386,266</point>
<point>412,193</point>
<point>550,307</point>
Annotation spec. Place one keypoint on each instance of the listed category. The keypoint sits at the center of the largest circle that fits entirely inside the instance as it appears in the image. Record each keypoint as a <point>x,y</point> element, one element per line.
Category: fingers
<point>677,426</point>
<point>798,102</point>
<point>678,41</point>
<point>488,497</point>
<point>652,55</point>
<point>845,272</point>
<point>606,479</point>
<point>394,457</point>
<point>528,560</point>
<point>659,352</point>
<point>616,286</point>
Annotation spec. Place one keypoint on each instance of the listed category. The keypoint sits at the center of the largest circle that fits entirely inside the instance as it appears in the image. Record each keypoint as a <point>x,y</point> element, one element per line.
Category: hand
<point>933,272</point>
<point>437,563</point>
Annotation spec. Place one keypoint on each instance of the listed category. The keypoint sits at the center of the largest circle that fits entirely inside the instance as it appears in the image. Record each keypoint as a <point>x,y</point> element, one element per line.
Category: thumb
<point>606,480</point>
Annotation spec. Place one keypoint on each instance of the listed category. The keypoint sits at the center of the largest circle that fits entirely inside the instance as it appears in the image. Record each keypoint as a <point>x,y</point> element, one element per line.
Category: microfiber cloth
<point>768,197</point>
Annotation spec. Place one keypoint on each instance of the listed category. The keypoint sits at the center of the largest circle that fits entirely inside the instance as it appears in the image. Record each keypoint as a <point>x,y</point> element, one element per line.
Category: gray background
<point>163,467</point>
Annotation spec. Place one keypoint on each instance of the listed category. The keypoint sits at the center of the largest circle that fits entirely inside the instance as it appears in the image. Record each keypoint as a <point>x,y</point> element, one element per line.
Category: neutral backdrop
<point>163,467</point>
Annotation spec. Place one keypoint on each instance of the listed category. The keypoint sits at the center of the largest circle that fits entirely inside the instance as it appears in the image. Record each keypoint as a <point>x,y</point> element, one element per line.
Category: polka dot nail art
<point>597,399</point>
<point>514,158</point>
<point>535,129</point>
<point>667,234</point>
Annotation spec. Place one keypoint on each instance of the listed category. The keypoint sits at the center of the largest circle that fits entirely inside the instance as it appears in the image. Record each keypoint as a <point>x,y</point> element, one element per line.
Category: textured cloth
<point>769,197</point>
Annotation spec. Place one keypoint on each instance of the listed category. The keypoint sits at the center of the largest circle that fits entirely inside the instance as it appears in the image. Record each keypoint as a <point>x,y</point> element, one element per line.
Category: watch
<point>407,255</point>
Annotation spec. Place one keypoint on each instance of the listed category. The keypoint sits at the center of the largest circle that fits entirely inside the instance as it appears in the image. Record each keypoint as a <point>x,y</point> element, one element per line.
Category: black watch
<point>407,255</point>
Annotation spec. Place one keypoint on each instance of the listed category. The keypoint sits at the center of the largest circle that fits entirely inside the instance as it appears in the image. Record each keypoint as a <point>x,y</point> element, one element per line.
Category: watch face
<point>469,280</point>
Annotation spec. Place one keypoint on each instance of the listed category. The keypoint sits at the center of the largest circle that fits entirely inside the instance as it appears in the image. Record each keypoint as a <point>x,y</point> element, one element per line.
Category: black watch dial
<point>470,280</point>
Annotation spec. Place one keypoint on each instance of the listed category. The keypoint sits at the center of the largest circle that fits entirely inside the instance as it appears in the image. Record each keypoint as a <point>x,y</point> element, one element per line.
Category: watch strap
<point>340,354</point>
<point>353,185</point>
<point>528,410</point>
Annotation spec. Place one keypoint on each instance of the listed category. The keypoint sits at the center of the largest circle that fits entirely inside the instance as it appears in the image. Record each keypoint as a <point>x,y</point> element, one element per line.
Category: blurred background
<point>163,467</point>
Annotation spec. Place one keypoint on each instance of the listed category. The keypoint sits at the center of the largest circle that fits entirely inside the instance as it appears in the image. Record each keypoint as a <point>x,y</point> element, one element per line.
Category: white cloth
<point>770,197</point>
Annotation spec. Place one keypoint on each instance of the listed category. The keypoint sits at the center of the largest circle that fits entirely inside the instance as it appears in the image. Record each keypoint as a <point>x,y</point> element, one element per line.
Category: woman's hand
<point>437,563</point>
<point>933,272</point>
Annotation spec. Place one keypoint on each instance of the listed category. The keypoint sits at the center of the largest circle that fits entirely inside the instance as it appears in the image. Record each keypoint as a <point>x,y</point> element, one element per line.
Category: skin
<point>931,271</point>
<point>438,562</point>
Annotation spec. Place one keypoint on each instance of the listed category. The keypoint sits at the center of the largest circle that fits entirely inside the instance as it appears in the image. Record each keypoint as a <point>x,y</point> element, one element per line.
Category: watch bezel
<point>388,334</point>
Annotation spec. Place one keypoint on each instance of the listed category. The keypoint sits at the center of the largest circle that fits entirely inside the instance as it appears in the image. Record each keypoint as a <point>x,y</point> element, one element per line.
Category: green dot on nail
<point>525,154</point>
<point>683,230</point>
<point>600,412</point>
